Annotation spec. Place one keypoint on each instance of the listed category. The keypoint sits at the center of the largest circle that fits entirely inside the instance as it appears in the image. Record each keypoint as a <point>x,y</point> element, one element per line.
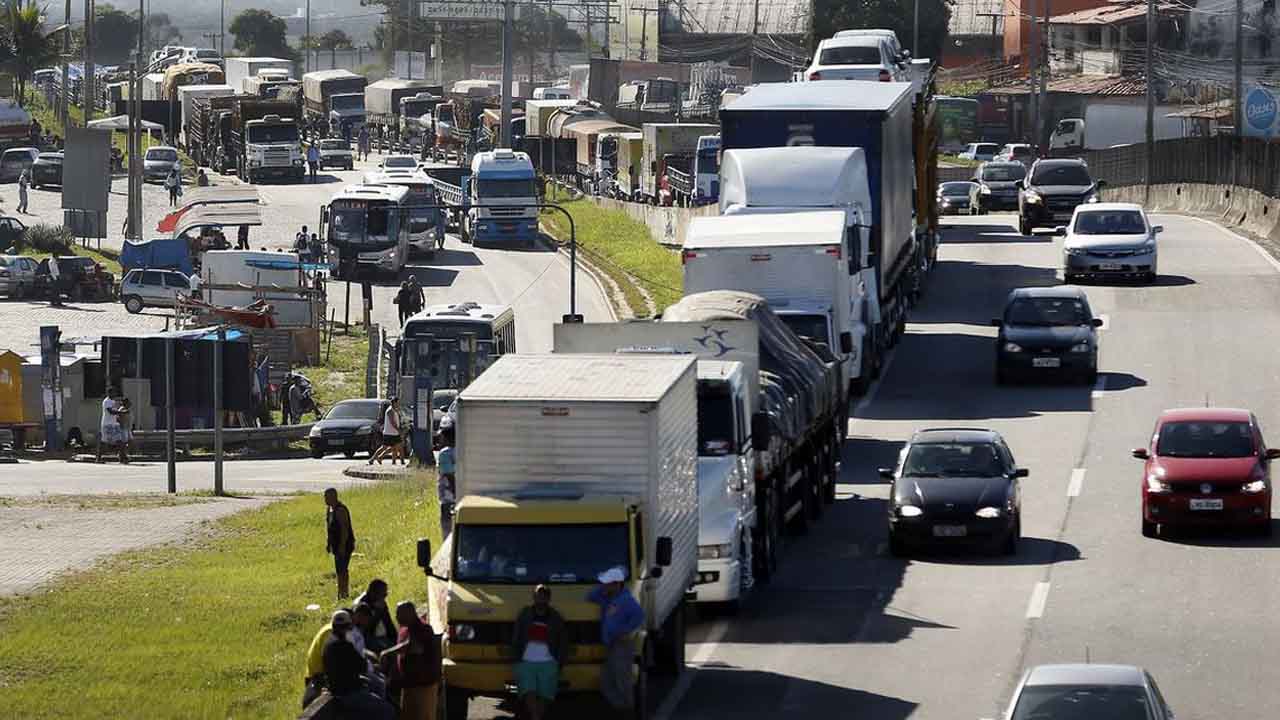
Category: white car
<point>336,152</point>
<point>152,288</point>
<point>858,57</point>
<point>1109,240</point>
<point>1016,152</point>
<point>395,162</point>
<point>980,152</point>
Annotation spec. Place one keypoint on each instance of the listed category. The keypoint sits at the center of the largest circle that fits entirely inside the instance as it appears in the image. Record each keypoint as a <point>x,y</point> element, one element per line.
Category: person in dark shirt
<point>341,539</point>
<point>383,634</point>
<point>344,668</point>
<point>418,656</point>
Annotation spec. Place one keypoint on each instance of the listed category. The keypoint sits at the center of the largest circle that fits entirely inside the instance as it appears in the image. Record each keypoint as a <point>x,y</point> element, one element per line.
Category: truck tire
<point>764,555</point>
<point>670,658</point>
<point>455,704</point>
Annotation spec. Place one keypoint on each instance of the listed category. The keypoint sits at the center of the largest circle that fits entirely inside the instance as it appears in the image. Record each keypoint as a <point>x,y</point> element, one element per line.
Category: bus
<point>473,334</point>
<point>959,120</point>
<point>365,231</point>
<point>426,223</point>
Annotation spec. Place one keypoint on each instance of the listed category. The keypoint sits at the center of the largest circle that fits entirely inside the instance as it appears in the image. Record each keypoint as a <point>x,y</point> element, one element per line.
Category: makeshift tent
<point>120,123</point>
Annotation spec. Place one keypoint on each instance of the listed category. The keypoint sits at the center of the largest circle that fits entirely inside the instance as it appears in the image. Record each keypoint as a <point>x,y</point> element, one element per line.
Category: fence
<point>1249,163</point>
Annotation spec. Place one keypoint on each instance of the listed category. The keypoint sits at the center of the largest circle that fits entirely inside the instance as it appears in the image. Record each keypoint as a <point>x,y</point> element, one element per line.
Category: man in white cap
<point>620,616</point>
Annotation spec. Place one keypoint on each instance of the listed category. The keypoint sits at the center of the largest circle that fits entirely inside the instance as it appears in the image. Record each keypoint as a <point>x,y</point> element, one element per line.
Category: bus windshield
<point>359,222</point>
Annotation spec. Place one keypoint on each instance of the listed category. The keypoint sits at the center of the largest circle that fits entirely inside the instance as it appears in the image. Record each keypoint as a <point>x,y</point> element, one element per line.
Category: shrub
<point>54,239</point>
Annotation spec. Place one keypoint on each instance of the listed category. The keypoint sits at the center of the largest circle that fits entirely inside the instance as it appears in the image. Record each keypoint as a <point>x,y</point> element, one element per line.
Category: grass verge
<point>340,376</point>
<point>623,249</point>
<point>110,260</point>
<point>215,629</point>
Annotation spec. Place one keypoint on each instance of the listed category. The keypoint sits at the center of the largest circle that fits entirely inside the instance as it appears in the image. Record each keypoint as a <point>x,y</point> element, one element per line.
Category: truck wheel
<point>671,657</point>
<point>455,704</point>
<point>765,553</point>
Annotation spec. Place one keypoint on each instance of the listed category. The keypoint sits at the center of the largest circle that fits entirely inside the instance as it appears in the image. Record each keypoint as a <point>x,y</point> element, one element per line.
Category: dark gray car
<point>996,187</point>
<point>1047,332</point>
<point>1080,691</point>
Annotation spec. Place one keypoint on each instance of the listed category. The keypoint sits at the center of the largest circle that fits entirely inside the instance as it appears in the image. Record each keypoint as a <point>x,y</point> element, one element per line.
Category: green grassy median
<point>217,628</point>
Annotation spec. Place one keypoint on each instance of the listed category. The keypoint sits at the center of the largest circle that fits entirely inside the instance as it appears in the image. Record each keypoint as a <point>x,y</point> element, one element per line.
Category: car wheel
<point>897,547</point>
<point>317,454</point>
<point>1011,541</point>
<point>133,304</point>
<point>1150,529</point>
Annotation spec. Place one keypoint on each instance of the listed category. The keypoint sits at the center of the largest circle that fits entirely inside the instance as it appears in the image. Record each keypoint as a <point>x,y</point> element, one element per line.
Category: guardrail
<point>277,436</point>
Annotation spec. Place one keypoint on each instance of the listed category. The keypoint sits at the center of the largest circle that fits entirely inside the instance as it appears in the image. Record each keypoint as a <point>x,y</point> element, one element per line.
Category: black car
<point>47,170</point>
<point>995,187</point>
<point>349,427</point>
<point>955,487</point>
<point>1051,192</point>
<point>12,234</point>
<point>953,197</point>
<point>1047,331</point>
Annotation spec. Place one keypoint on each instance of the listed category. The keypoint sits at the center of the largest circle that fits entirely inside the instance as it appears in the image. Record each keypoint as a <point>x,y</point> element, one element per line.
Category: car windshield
<point>273,134</point>
<point>715,418</point>
<point>1195,439</point>
<point>986,149</point>
<point>522,554</point>
<point>1047,312</point>
<point>1110,222</point>
<point>979,459</point>
<point>400,161</point>
<point>851,55</point>
<point>355,410</point>
<point>162,155</point>
<point>505,189</point>
<point>955,189</point>
<point>1003,173</point>
<point>1061,175</point>
<point>1082,702</point>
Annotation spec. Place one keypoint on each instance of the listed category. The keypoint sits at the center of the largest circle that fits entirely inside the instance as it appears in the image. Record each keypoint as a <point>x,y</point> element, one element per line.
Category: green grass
<point>217,629</point>
<point>109,259</point>
<point>624,250</point>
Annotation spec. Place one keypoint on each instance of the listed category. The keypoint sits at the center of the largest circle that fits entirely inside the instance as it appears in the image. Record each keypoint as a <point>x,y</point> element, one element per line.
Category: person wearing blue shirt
<point>620,616</point>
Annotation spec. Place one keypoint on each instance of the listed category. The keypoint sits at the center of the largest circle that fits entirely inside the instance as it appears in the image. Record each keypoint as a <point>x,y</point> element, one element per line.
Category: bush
<point>54,239</point>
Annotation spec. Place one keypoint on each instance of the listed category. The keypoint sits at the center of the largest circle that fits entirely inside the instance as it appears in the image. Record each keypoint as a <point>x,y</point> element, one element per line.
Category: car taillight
<point>815,75</point>
<point>885,76</point>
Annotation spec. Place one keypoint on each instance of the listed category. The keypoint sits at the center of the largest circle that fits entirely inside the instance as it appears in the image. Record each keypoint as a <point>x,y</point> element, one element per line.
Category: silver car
<point>14,160</point>
<point>1109,240</point>
<point>17,274</point>
<point>1068,692</point>
<point>152,288</point>
<point>158,162</point>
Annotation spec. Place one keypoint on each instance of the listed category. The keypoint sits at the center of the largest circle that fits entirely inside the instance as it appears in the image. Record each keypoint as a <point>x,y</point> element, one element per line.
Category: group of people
<point>308,246</point>
<point>297,398</point>
<point>409,299</point>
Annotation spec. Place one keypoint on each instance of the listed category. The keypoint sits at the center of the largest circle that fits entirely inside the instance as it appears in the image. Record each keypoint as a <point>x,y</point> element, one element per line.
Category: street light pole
<point>66,69</point>
<point>307,38</point>
<point>508,28</point>
<point>1150,149</point>
<point>88,91</point>
<point>915,30</point>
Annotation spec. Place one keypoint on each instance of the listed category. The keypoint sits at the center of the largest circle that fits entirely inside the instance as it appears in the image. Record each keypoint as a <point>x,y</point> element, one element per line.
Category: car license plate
<point>950,531</point>
<point>1110,266</point>
<point>1046,362</point>
<point>1206,503</point>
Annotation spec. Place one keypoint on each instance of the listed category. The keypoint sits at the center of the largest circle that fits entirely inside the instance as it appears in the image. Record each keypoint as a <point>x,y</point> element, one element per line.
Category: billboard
<point>1260,112</point>
<point>86,170</point>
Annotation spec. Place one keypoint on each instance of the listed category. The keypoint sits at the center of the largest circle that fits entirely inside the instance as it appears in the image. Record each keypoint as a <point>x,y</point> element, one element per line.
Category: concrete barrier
<point>1248,210</point>
<point>667,225</point>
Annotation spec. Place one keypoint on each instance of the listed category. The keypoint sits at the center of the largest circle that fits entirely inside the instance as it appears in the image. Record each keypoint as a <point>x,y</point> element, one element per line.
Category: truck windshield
<point>346,102</point>
<point>521,554</point>
<point>273,133</point>
<point>417,108</point>
<point>444,114</point>
<point>813,327</point>
<point>715,419</point>
<point>518,188</point>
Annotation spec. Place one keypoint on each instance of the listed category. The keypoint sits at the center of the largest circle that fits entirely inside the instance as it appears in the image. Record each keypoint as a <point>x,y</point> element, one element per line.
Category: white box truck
<point>568,466</point>
<point>240,68</point>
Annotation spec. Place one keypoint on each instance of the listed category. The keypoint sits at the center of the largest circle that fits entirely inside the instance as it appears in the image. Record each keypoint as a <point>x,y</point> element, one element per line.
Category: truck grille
<point>506,212</point>
<point>500,633</point>
<point>277,156</point>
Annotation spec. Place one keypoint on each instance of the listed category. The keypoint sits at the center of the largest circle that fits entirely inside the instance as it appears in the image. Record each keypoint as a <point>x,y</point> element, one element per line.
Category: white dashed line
<point>1039,597</point>
<point>1077,482</point>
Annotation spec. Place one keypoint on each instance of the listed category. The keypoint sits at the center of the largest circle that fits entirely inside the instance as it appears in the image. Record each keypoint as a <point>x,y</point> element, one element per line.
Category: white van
<point>552,93</point>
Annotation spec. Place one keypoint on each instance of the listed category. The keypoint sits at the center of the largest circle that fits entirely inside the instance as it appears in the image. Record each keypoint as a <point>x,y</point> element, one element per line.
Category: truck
<point>694,179</point>
<point>334,97</point>
<point>382,102</point>
<point>1108,125</point>
<point>240,69</point>
<point>502,199</point>
<point>608,482</point>
<point>265,140</point>
<point>186,98</point>
<point>726,488</point>
<point>661,140</point>
<point>153,86</point>
<point>208,132</point>
<point>269,84</point>
<point>538,114</point>
<point>792,414</point>
<point>880,119</point>
<point>15,124</point>
<point>189,73</point>
<point>412,109</point>
<point>627,167</point>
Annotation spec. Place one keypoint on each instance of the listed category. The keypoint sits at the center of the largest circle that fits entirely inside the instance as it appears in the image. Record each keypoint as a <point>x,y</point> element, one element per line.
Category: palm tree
<point>31,47</point>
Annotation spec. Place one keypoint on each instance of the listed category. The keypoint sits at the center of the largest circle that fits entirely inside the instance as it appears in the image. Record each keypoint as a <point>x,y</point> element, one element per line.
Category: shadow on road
<point>989,235</point>
<point>732,693</point>
<point>1031,551</point>
<point>1221,537</point>
<point>864,456</point>
<point>970,292</point>
<point>431,276</point>
<point>1121,381</point>
<point>452,258</point>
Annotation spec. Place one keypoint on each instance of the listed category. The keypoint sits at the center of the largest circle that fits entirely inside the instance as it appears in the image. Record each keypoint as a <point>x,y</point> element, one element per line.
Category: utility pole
<point>408,29</point>
<point>995,35</point>
<point>915,28</point>
<point>66,69</point>
<point>529,40</point>
<point>551,44</point>
<point>1238,58</point>
<point>135,134</point>
<point>222,29</point>
<point>307,34</point>
<point>87,89</point>
<point>1033,70</point>
<point>1043,114</point>
<point>1150,148</point>
<point>508,28</point>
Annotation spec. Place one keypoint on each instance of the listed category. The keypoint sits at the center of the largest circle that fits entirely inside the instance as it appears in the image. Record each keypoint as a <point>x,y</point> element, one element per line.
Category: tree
<point>831,16</point>
<point>260,33</point>
<point>31,46</point>
<point>334,40</point>
<point>161,30</point>
<point>115,34</point>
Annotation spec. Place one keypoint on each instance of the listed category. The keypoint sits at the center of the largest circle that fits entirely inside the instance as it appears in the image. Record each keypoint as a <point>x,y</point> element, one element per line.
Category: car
<point>1052,191</point>
<point>14,160</point>
<point>17,275</point>
<point>1109,240</point>
<point>1087,690</point>
<point>953,197</point>
<point>143,288</point>
<point>47,170</point>
<point>158,162</point>
<point>1206,467</point>
<point>1017,152</point>
<point>996,187</point>
<point>857,57</point>
<point>203,55</point>
<point>980,152</point>
<point>441,406</point>
<point>82,278</point>
<point>336,152</point>
<point>955,486</point>
<point>1047,331</point>
<point>349,427</point>
<point>408,162</point>
<point>12,233</point>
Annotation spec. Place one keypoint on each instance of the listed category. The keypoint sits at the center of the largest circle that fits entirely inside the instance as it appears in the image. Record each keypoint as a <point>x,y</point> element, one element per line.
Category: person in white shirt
<point>392,441</point>
<point>113,430</point>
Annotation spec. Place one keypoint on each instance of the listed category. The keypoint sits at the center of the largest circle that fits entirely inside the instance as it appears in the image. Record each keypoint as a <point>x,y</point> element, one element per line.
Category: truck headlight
<point>714,552</point>
<point>462,632</point>
<point>1012,347</point>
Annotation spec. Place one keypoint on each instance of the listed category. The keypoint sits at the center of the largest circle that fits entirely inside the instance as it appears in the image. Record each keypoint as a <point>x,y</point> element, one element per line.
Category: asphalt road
<point>848,631</point>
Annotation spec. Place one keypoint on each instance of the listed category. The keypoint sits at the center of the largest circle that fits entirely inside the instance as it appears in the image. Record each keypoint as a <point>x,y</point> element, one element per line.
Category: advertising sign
<point>1260,112</point>
<point>453,10</point>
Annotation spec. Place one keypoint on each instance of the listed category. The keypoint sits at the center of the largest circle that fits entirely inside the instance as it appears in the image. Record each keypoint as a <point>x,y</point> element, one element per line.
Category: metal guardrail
<point>203,437</point>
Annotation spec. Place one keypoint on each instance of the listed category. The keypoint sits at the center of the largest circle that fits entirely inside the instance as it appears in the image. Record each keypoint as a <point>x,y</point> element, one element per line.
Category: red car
<point>1206,466</point>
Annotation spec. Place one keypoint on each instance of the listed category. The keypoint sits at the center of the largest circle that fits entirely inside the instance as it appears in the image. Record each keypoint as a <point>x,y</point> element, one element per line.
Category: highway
<point>848,631</point>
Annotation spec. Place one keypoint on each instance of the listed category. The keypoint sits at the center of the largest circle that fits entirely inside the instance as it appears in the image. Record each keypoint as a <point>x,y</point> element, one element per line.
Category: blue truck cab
<point>503,197</point>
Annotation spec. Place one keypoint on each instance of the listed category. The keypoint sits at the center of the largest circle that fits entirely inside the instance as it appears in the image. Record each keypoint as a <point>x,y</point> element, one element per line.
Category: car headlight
<point>364,429</point>
<point>909,511</point>
<point>462,632</point>
<point>1012,347</point>
<point>714,552</point>
<point>1080,347</point>
<point>985,190</point>
<point>1075,251</point>
<point>315,431</point>
<point>1031,196</point>
<point>1149,244</point>
<point>1156,485</point>
<point>989,512</point>
<point>1254,487</point>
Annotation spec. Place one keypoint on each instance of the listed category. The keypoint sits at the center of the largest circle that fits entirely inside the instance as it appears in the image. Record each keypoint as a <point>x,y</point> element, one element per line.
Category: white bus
<point>426,224</point>
<point>465,338</point>
<point>365,230</point>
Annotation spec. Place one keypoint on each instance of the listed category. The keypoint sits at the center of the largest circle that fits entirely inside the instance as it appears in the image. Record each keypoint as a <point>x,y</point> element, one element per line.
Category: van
<point>552,93</point>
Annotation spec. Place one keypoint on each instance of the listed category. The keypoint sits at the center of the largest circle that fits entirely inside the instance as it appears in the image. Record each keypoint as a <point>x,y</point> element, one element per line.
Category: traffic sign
<point>446,10</point>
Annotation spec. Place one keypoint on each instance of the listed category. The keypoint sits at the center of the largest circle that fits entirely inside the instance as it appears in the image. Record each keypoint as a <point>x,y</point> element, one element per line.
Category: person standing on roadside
<point>620,616</point>
<point>418,656</point>
<point>341,539</point>
<point>401,301</point>
<point>113,431</point>
<point>364,143</point>
<point>446,484</point>
<point>417,300</point>
<point>24,181</point>
<point>173,183</point>
<point>539,645</point>
<point>55,281</point>
<point>242,238</point>
<point>313,159</point>
<point>392,440</point>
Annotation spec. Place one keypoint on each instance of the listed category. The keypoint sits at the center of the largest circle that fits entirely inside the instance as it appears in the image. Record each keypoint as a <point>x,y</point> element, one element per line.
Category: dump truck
<point>265,140</point>
<point>194,73</point>
<point>608,482</point>
<point>335,97</point>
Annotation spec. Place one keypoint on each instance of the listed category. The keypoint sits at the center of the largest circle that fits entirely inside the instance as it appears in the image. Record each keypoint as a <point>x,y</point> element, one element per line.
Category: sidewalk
<point>240,477</point>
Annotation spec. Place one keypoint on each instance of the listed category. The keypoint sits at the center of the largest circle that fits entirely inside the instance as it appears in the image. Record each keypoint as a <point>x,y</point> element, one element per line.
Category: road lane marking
<point>1039,596</point>
<point>700,657</point>
<point>1099,387</point>
<point>1274,263</point>
<point>1077,482</point>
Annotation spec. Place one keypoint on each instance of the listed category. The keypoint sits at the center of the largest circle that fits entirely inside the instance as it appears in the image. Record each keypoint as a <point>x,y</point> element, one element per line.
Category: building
<point>1110,40</point>
<point>975,33</point>
<point>1018,33</point>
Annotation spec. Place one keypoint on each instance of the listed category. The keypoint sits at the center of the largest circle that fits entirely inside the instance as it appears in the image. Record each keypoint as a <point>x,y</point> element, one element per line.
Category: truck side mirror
<point>664,552</point>
<point>424,553</point>
<point>846,342</point>
<point>761,432</point>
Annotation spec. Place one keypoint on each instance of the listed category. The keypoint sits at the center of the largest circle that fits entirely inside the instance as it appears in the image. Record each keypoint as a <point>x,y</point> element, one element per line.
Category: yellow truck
<point>568,466</point>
